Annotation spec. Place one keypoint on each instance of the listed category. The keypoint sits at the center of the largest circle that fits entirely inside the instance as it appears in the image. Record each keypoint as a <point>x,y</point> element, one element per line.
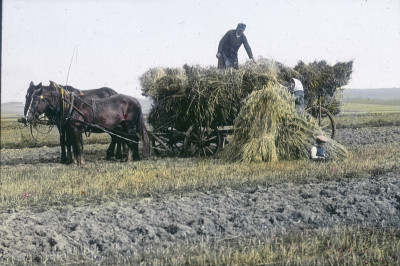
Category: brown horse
<point>65,144</point>
<point>119,115</point>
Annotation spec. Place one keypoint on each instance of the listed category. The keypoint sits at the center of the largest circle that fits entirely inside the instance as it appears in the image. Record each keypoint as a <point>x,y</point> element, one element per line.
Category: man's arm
<point>247,47</point>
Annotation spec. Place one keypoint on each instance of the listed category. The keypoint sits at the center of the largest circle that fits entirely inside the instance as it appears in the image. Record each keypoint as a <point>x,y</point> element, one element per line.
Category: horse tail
<point>142,130</point>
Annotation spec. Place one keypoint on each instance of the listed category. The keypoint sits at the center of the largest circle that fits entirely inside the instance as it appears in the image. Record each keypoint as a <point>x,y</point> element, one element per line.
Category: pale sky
<point>113,42</point>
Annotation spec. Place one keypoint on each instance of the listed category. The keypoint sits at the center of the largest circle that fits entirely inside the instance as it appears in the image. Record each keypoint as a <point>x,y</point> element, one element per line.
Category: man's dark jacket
<point>230,44</point>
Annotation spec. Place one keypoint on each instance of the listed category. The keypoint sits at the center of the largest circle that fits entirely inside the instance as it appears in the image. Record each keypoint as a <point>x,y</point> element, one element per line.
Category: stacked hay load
<point>323,80</point>
<point>254,98</point>
<point>193,95</point>
<point>166,87</point>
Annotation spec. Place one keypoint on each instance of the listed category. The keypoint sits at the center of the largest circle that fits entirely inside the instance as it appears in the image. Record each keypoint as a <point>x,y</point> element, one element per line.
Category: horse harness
<point>90,125</point>
<point>68,105</point>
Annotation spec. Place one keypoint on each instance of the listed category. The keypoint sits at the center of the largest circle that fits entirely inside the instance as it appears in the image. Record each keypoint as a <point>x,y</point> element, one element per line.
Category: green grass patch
<point>367,120</point>
<point>371,107</point>
<point>15,135</point>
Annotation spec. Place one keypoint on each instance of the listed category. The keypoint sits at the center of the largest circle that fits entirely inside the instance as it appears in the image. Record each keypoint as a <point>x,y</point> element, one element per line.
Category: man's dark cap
<point>241,26</point>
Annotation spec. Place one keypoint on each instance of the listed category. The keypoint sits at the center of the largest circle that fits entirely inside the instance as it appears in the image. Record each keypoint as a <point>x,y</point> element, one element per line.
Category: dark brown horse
<point>119,115</point>
<point>65,143</point>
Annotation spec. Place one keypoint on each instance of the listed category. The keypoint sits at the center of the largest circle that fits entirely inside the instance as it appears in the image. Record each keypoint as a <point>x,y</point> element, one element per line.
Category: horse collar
<point>71,105</point>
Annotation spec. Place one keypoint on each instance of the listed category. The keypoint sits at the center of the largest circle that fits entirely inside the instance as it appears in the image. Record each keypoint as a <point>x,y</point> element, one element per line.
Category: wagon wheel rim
<point>202,141</point>
<point>324,119</point>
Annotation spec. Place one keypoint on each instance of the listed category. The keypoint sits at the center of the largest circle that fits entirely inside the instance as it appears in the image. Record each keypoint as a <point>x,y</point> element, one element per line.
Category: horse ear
<point>31,85</point>
<point>53,84</point>
<point>40,84</point>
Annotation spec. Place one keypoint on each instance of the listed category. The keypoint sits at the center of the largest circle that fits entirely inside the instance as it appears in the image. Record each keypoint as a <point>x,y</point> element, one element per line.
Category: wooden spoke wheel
<point>201,141</point>
<point>325,120</point>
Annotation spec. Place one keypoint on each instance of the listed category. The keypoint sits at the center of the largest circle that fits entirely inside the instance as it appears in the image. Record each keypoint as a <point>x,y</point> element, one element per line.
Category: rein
<point>34,126</point>
<point>105,130</point>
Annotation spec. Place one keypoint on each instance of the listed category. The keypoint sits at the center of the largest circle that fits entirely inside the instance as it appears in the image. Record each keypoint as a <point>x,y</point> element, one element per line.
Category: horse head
<point>42,101</point>
<point>28,97</point>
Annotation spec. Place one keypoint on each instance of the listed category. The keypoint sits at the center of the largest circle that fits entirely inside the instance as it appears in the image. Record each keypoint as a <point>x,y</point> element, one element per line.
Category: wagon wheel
<point>201,141</point>
<point>325,120</point>
<point>167,143</point>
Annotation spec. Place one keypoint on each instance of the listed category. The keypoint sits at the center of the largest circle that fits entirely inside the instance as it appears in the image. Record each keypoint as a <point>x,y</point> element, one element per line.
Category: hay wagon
<point>194,108</point>
<point>193,137</point>
<point>199,140</point>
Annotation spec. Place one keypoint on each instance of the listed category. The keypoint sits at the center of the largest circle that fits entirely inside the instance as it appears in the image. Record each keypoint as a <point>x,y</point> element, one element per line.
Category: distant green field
<point>371,101</point>
<point>371,107</point>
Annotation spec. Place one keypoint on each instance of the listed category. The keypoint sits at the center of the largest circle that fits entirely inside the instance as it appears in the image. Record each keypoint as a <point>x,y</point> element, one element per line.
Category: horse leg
<point>129,154</point>
<point>81,160</point>
<point>75,147</point>
<point>135,147</point>
<point>78,147</point>
<point>124,148</point>
<point>119,152</point>
<point>62,145</point>
<point>111,148</point>
<point>69,159</point>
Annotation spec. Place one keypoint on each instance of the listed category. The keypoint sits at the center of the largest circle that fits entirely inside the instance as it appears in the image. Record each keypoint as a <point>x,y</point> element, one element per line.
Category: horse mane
<point>55,87</point>
<point>55,98</point>
<point>55,94</point>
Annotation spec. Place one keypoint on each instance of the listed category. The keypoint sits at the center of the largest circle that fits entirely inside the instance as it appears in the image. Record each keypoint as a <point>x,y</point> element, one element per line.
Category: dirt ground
<point>133,227</point>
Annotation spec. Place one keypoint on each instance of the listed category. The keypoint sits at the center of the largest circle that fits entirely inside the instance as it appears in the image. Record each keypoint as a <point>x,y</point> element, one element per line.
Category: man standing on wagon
<point>229,45</point>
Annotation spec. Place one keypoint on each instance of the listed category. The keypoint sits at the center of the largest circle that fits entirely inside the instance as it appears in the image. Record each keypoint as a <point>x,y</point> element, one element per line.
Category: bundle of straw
<point>269,129</point>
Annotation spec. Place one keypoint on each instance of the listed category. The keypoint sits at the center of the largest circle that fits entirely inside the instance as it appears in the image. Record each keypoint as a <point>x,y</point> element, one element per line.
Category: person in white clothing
<point>296,87</point>
<point>318,151</point>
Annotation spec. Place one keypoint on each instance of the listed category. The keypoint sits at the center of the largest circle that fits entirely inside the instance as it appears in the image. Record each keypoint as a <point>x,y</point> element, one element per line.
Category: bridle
<point>37,118</point>
<point>30,106</point>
